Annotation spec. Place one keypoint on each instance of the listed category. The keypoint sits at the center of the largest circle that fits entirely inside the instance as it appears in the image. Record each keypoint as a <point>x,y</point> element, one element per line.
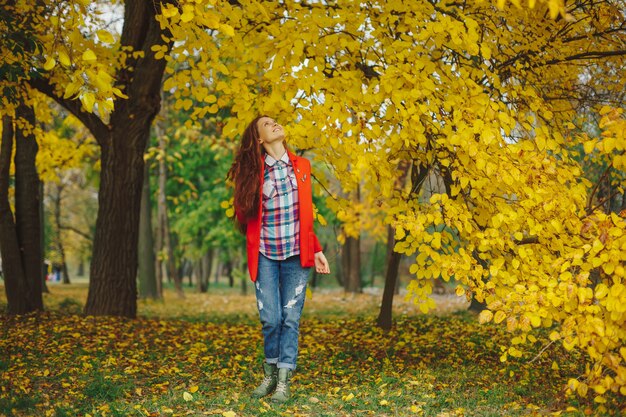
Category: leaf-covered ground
<point>206,363</point>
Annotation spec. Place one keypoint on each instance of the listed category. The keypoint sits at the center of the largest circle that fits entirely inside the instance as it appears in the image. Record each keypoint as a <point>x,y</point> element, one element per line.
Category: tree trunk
<point>147,260</point>
<point>228,266</point>
<point>204,271</point>
<point>372,265</point>
<point>12,269</point>
<point>352,265</point>
<point>216,256</point>
<point>384,319</point>
<point>113,285</point>
<point>113,281</point>
<point>57,226</point>
<point>164,228</point>
<point>20,237</point>
<point>42,246</point>
<point>419,172</point>
<point>244,284</point>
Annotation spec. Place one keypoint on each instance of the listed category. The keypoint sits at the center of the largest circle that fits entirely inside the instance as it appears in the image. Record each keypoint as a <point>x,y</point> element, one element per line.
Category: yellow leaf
<point>383,402</point>
<point>589,145</point>
<point>64,59</point>
<point>227,29</point>
<point>88,100</point>
<point>486,51</point>
<point>49,64</point>
<point>188,13</point>
<point>89,56</point>
<point>187,396</point>
<point>169,11</point>
<point>485,316</point>
<point>105,36</point>
<point>499,316</point>
<point>348,397</point>
<point>229,414</point>
<point>118,93</point>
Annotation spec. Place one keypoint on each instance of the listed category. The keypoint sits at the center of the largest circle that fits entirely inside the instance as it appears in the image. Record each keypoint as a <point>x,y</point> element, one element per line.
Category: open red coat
<point>309,244</point>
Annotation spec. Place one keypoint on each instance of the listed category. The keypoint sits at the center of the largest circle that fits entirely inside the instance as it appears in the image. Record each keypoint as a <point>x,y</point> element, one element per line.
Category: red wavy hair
<point>245,173</point>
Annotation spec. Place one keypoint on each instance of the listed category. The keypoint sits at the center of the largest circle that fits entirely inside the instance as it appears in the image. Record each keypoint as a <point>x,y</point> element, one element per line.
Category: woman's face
<point>269,131</point>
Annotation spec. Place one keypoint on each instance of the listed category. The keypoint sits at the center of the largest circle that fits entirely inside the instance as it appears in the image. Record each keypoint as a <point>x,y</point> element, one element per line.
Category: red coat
<point>309,244</point>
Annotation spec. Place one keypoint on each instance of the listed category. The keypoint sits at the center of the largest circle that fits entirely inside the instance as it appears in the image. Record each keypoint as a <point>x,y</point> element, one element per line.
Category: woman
<point>274,207</point>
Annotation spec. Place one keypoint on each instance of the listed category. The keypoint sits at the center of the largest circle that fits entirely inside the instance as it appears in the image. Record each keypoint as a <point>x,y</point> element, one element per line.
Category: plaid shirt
<point>280,224</point>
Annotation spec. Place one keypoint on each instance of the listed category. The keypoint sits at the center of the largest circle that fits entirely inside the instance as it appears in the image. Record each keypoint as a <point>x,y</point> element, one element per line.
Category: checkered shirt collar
<point>270,161</point>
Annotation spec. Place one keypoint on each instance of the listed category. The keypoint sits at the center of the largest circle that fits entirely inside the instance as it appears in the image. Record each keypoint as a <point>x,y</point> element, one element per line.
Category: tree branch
<point>90,120</point>
<point>78,232</point>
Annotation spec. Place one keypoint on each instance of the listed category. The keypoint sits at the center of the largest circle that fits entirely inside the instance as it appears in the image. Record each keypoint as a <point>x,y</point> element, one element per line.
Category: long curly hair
<point>245,173</point>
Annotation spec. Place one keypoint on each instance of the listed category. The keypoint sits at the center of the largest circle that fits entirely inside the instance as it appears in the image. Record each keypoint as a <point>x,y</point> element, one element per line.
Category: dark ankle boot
<point>282,392</point>
<point>269,381</point>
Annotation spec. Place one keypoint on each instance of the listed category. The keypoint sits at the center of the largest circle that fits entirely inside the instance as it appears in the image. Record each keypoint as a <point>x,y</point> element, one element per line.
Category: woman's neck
<point>275,150</point>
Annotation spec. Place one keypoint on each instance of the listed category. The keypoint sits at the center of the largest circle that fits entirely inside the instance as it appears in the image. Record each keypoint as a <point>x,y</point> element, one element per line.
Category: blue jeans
<point>280,292</point>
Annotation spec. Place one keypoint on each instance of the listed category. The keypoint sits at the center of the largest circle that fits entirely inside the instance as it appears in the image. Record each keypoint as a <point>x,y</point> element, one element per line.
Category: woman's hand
<point>321,264</point>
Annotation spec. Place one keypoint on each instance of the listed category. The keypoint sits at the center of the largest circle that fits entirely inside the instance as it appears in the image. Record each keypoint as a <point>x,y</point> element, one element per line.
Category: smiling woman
<point>273,203</point>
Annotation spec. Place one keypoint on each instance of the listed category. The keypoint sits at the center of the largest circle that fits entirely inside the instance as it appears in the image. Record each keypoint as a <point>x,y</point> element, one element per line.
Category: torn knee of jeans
<point>299,289</point>
<point>260,305</point>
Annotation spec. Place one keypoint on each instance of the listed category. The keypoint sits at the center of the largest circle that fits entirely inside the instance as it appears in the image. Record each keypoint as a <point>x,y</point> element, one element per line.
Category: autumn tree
<point>485,98</point>
<point>86,69</point>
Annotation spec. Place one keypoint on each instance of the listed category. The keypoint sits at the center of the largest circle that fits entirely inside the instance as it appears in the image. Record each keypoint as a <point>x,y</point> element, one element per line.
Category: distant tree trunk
<point>244,284</point>
<point>147,261</point>
<point>81,268</point>
<point>42,239</point>
<point>352,264</point>
<point>228,266</point>
<point>419,172</point>
<point>217,266</point>
<point>352,258</point>
<point>164,228</point>
<point>340,271</point>
<point>372,265</point>
<point>57,199</point>
<point>20,237</point>
<point>204,271</point>
<point>384,319</point>
<point>475,305</point>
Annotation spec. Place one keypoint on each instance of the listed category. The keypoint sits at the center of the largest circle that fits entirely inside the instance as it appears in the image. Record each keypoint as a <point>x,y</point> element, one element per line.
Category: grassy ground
<point>200,356</point>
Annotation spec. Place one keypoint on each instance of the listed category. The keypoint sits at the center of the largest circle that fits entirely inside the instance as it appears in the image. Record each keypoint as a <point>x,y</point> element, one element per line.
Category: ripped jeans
<point>280,292</point>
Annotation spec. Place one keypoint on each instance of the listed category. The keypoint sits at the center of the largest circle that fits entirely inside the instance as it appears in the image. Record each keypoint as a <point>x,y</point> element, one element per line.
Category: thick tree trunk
<point>113,285</point>
<point>147,261</point>
<point>384,319</point>
<point>113,281</point>
<point>20,237</point>
<point>12,269</point>
<point>27,207</point>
